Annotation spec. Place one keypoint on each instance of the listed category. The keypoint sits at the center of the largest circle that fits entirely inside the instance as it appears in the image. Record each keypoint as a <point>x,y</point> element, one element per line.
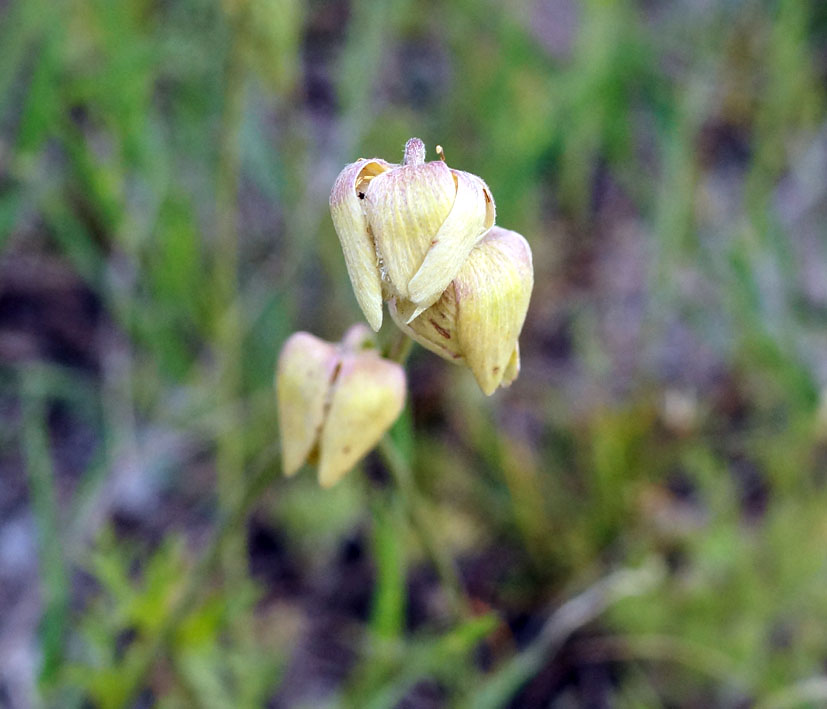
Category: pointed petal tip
<point>489,380</point>
<point>374,317</point>
<point>416,313</point>
<point>290,467</point>
<point>498,377</point>
<point>328,477</point>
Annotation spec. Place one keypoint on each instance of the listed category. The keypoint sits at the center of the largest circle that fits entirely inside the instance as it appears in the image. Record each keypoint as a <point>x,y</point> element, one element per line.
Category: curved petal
<point>435,330</point>
<point>492,291</point>
<point>471,215</point>
<point>406,207</point>
<point>368,396</point>
<point>305,371</point>
<point>347,210</point>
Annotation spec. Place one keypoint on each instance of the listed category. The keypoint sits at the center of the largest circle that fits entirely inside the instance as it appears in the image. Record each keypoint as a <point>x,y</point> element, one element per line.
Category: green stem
<point>423,525</point>
<point>398,350</point>
<point>388,616</point>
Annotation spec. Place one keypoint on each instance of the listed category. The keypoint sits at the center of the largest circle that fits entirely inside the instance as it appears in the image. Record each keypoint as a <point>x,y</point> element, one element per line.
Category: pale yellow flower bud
<point>407,229</point>
<point>334,401</point>
<point>479,317</point>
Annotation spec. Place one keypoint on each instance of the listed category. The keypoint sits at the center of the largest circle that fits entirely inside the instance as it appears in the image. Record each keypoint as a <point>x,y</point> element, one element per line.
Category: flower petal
<point>492,291</point>
<point>368,396</point>
<point>305,371</point>
<point>435,329</point>
<point>347,210</point>
<point>406,207</point>
<point>471,215</point>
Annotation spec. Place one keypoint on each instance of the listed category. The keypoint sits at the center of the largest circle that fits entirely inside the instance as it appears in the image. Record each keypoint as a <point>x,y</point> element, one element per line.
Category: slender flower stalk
<point>423,525</point>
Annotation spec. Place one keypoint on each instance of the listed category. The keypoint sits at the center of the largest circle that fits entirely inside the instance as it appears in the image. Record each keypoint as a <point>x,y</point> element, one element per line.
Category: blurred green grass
<point>164,172</point>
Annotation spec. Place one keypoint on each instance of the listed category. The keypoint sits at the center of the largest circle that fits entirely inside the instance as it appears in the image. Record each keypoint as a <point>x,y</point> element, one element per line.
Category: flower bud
<point>407,229</point>
<point>479,317</point>
<point>334,401</point>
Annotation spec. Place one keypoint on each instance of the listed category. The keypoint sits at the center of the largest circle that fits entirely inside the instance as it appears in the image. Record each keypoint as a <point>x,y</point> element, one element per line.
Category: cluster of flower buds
<point>335,401</point>
<point>421,236</point>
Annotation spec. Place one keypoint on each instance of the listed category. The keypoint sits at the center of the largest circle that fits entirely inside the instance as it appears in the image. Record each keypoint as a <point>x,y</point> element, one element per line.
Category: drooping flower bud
<point>478,319</point>
<point>407,229</point>
<point>335,401</point>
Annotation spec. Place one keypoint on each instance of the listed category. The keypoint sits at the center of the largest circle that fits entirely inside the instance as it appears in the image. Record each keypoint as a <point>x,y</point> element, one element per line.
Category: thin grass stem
<point>423,525</point>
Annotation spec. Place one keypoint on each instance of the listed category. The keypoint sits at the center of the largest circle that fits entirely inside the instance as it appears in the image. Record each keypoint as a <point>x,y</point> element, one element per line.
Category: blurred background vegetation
<point>640,520</point>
